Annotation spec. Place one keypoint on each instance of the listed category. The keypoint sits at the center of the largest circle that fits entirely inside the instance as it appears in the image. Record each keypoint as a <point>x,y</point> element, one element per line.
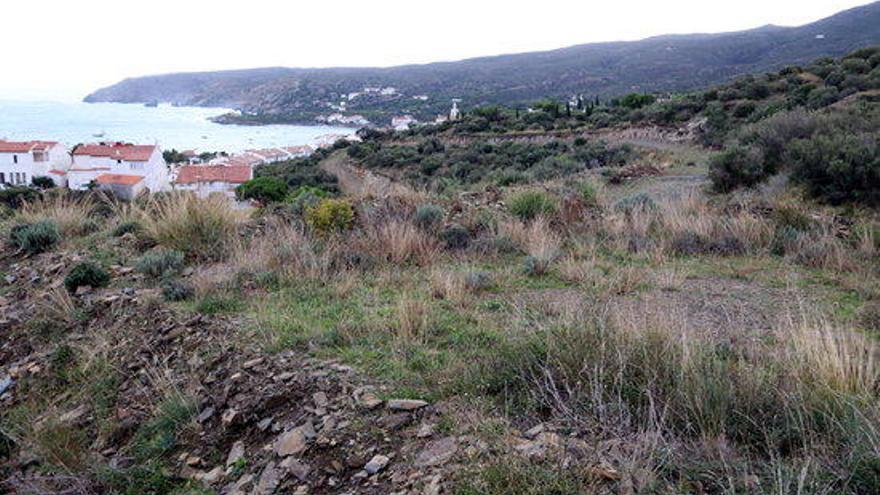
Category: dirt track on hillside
<point>356,181</point>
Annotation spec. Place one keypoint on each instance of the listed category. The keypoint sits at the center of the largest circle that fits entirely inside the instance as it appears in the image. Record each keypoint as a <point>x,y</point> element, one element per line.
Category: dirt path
<point>356,181</point>
<point>650,137</point>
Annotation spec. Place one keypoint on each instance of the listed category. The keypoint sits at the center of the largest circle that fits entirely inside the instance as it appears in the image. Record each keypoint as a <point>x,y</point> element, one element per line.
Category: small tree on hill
<point>263,189</point>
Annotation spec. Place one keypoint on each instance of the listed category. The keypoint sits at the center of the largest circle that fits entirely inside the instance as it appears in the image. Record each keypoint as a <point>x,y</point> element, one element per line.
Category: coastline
<point>178,127</point>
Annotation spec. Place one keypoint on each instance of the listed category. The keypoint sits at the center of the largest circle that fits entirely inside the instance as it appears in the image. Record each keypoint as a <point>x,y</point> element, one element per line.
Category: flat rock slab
<point>437,452</point>
<point>406,404</point>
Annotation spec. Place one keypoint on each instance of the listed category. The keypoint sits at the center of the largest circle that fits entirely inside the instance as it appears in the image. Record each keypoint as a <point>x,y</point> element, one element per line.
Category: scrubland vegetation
<point>594,317</point>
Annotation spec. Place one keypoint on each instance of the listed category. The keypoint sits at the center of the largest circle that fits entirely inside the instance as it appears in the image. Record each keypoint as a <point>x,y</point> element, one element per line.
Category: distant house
<point>212,179</point>
<point>118,160</point>
<point>21,161</point>
<point>403,122</point>
<point>298,151</point>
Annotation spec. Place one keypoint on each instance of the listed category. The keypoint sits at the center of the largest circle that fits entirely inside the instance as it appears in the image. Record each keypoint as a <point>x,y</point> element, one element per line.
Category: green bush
<point>455,236</point>
<point>589,194</point>
<point>263,189</point>
<point>86,274</point>
<point>160,263</point>
<point>330,215</point>
<point>35,238</point>
<point>304,198</point>
<point>739,166</point>
<point>176,290</point>
<point>13,197</point>
<point>129,227</point>
<point>531,204</point>
<point>839,167</point>
<point>42,182</point>
<point>428,216</point>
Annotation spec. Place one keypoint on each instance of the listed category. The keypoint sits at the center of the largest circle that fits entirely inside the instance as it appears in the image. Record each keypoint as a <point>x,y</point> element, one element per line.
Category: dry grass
<point>536,238</point>
<point>203,228</point>
<point>401,242</point>
<point>56,305</point>
<point>285,250</point>
<point>840,361</point>
<point>70,212</point>
<point>447,284</point>
<point>412,320</point>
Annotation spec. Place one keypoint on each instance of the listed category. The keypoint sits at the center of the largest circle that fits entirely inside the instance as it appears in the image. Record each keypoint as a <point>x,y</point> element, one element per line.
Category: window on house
<point>14,158</point>
<point>2,178</point>
<point>39,156</point>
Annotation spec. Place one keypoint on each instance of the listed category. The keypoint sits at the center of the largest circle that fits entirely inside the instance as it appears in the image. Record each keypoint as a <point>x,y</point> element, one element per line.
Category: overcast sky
<point>62,49</point>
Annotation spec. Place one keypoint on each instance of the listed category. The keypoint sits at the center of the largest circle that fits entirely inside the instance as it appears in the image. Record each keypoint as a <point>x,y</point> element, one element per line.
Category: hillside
<point>660,64</point>
<point>493,306</point>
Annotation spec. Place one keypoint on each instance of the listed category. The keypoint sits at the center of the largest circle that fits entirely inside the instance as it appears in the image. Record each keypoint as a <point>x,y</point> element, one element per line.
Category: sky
<point>64,49</point>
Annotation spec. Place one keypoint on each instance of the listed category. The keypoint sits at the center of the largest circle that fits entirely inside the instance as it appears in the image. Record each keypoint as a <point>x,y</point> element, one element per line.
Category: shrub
<point>177,290</point>
<point>129,227</point>
<point>589,193</point>
<point>35,238</point>
<point>839,167</point>
<point>42,182</point>
<point>304,198</point>
<point>330,215</point>
<point>688,243</point>
<point>263,189</point>
<point>535,266</point>
<point>531,204</point>
<point>86,274</point>
<point>477,280</point>
<point>160,263</point>
<point>14,197</point>
<point>428,216</point>
<point>455,236</point>
<point>739,166</point>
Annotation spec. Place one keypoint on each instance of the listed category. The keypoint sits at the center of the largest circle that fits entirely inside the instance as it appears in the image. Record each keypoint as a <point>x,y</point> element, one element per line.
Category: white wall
<point>205,189</point>
<point>154,171</point>
<point>20,168</point>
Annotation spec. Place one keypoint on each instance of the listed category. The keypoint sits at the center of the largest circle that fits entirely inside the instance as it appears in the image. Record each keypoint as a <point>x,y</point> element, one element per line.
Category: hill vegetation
<point>654,65</point>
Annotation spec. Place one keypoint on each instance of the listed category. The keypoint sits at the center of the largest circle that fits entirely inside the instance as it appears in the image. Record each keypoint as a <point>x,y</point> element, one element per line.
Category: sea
<point>180,128</point>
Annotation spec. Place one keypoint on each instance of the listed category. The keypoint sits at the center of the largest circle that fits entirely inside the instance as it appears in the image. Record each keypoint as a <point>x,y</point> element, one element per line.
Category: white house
<point>121,163</point>
<point>403,122</point>
<point>205,180</point>
<point>21,161</point>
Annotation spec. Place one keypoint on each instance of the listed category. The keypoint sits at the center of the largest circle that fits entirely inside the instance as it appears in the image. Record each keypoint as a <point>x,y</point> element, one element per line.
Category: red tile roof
<point>25,146</point>
<point>191,174</point>
<point>58,172</point>
<point>118,179</point>
<point>116,151</point>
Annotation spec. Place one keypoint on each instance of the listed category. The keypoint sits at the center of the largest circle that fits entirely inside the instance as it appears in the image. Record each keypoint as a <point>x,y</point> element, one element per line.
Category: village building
<point>454,112</point>
<point>115,161</point>
<point>212,179</point>
<point>403,122</point>
<point>123,186</point>
<point>21,161</point>
<point>298,151</point>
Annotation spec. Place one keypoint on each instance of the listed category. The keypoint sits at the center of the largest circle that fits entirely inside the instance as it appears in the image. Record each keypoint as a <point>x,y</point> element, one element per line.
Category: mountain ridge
<point>666,63</point>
